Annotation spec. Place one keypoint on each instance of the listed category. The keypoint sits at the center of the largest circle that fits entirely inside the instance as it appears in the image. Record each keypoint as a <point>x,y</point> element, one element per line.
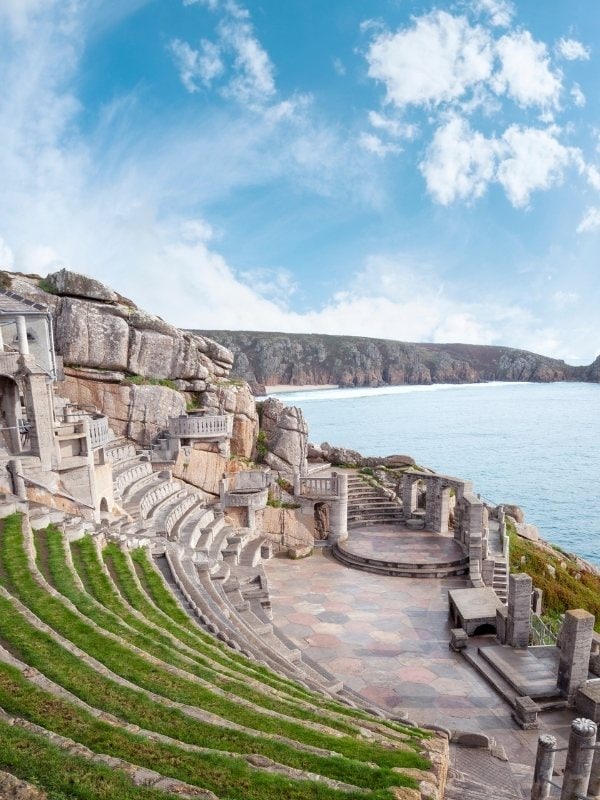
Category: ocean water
<point>536,445</point>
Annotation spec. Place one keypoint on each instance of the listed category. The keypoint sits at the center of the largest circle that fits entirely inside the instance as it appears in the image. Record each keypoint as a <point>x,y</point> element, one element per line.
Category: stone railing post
<point>544,766</point>
<point>576,643</point>
<point>594,787</point>
<point>579,759</point>
<point>519,609</point>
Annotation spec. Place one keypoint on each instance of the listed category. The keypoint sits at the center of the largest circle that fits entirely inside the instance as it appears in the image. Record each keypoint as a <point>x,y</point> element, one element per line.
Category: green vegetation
<point>46,286</point>
<point>261,447</point>
<point>62,775</point>
<point>142,380</point>
<point>207,678</point>
<point>569,588</point>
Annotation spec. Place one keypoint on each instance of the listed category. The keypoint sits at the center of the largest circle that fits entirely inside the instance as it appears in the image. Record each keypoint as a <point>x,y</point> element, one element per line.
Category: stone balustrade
<point>319,487</point>
<point>99,432</point>
<point>206,427</point>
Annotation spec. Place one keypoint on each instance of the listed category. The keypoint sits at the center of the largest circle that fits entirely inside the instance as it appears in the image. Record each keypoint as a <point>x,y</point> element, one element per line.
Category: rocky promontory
<point>271,359</point>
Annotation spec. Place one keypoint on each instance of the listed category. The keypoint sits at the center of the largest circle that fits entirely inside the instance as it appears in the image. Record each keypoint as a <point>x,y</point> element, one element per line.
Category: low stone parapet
<point>525,713</point>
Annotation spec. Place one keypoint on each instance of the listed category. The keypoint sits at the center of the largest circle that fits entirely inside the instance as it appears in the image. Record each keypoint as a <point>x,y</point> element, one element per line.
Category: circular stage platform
<point>402,552</point>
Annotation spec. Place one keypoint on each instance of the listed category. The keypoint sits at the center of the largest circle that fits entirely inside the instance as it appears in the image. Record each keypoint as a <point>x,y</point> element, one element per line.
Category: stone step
<point>399,569</point>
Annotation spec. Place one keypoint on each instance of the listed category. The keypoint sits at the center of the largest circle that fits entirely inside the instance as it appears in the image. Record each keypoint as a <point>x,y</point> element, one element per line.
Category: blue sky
<point>413,170</point>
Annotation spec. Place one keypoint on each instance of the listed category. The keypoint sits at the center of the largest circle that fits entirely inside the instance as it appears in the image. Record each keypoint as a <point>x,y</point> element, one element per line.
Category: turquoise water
<point>536,445</point>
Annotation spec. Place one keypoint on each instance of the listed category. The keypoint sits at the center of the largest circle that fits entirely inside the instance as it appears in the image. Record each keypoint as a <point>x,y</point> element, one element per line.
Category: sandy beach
<point>288,387</point>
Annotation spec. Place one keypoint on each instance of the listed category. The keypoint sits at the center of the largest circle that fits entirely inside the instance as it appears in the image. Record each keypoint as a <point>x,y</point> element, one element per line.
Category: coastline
<point>282,388</point>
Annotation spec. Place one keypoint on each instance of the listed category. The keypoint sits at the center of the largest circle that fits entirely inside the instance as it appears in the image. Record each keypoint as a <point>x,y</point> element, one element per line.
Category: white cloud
<point>393,127</point>
<point>532,159</point>
<point>197,66</point>
<point>253,80</point>
<point>572,50</point>
<point>578,96</point>
<point>590,221</point>
<point>562,299</point>
<point>525,73</point>
<point>19,13</point>
<point>499,12</point>
<point>593,176</point>
<point>373,144</point>
<point>250,72</point>
<point>460,162</point>
<point>338,66</point>
<point>436,60</point>
<point>7,259</point>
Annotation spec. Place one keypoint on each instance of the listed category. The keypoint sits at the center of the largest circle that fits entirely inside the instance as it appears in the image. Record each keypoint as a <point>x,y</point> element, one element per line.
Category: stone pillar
<point>40,415</point>
<point>579,759</point>
<point>575,646</point>
<point>594,787</point>
<point>22,336</point>
<point>544,766</point>
<point>16,470</point>
<point>536,601</point>
<point>519,609</point>
<point>432,502</point>
<point>409,496</point>
<point>338,510</point>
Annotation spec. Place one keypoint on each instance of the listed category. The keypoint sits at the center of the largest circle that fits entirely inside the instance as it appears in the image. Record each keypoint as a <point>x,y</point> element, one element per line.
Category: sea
<point>536,445</point>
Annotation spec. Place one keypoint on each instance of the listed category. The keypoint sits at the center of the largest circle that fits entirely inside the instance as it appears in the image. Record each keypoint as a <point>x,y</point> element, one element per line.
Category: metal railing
<point>541,633</point>
<point>201,427</point>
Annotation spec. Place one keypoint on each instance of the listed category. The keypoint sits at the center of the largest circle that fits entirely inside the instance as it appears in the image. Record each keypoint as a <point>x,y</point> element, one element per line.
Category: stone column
<point>579,759</point>
<point>544,766</point>
<point>519,609</point>
<point>22,336</point>
<point>40,415</point>
<point>576,643</point>
<point>338,510</point>
<point>409,496</point>
<point>594,787</point>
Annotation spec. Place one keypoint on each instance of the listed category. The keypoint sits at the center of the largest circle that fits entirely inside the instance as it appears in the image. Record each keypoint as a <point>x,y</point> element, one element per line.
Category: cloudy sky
<point>396,168</point>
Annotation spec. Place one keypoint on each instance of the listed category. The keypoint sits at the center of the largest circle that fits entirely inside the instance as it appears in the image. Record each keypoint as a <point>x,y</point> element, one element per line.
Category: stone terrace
<point>387,638</point>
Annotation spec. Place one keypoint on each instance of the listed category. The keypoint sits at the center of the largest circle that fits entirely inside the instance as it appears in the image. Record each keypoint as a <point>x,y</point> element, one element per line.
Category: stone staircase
<point>368,505</point>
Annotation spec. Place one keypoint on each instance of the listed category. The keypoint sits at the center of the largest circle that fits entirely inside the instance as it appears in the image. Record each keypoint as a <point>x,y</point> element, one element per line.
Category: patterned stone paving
<point>387,638</point>
<point>403,545</point>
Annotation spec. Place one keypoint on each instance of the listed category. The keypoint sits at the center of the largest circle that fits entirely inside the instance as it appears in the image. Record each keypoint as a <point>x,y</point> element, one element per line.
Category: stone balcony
<point>323,487</point>
<point>208,427</point>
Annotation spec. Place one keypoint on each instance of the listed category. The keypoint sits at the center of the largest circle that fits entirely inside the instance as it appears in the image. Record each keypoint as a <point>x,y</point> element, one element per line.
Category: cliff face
<point>135,367</point>
<point>269,359</point>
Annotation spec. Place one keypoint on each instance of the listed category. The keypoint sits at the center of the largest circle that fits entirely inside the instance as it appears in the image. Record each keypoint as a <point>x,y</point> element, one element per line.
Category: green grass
<point>226,776</point>
<point>142,380</point>
<point>62,776</point>
<point>99,586</point>
<point>562,592</point>
<point>38,650</point>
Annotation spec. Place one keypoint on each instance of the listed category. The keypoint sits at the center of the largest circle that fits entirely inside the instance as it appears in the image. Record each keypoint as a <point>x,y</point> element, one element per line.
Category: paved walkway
<point>403,545</point>
<point>387,638</point>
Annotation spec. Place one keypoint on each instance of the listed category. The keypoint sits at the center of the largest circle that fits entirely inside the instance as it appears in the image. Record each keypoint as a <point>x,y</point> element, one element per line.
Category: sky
<point>402,169</point>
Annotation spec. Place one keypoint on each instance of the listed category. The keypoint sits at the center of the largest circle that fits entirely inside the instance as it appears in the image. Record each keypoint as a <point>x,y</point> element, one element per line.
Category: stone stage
<point>403,552</point>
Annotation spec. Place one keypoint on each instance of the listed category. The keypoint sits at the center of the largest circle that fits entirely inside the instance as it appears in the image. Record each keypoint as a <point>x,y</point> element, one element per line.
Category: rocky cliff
<point>269,359</point>
<point>135,367</point>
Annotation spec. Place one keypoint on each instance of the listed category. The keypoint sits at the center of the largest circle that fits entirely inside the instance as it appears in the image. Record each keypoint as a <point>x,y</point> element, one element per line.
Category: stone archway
<point>104,506</point>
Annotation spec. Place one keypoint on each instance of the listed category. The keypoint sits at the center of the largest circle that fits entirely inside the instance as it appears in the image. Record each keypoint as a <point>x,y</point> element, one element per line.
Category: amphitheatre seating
<point>138,701</point>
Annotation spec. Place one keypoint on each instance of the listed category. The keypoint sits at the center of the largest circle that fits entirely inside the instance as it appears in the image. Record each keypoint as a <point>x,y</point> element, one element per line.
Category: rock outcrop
<point>286,437</point>
<point>270,359</point>
<point>136,367</point>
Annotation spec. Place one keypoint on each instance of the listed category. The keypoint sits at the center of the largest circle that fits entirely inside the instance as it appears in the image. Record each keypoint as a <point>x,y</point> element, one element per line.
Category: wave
<point>366,391</point>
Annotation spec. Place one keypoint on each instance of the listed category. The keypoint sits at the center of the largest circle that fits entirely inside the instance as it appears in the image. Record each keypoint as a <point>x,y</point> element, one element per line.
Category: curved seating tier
<point>443,569</point>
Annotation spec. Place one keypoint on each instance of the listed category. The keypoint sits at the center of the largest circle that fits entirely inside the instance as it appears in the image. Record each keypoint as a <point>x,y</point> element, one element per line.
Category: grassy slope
<point>564,590</point>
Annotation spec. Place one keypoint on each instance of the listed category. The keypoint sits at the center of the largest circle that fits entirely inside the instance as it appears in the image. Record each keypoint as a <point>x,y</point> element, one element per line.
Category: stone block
<point>587,700</point>
<point>525,713</point>
<point>576,643</point>
<point>458,639</point>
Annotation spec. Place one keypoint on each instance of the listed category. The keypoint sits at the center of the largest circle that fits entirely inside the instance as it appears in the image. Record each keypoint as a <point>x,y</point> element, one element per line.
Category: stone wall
<point>201,468</point>
<point>286,527</point>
